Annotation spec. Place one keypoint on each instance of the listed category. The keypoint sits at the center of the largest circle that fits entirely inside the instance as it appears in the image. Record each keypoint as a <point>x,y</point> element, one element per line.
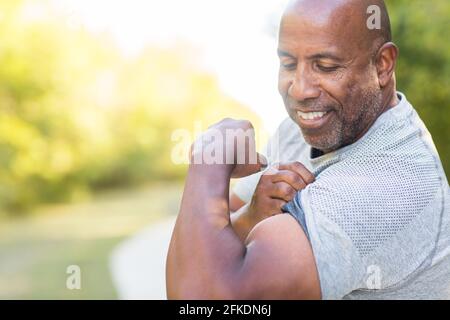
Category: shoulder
<point>397,159</point>
<point>278,228</point>
<point>379,196</point>
<point>377,187</point>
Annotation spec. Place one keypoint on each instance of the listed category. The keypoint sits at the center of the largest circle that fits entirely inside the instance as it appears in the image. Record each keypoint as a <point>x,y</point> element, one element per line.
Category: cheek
<point>356,87</point>
<point>337,92</point>
<point>350,101</point>
<point>283,83</point>
<point>344,89</point>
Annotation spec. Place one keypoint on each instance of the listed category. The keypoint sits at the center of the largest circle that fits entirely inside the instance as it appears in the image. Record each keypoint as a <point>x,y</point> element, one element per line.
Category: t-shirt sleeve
<point>338,263</point>
<point>364,239</point>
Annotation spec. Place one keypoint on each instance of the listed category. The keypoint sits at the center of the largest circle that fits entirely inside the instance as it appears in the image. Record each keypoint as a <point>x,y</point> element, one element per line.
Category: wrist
<point>208,187</point>
<point>218,170</point>
<point>211,180</point>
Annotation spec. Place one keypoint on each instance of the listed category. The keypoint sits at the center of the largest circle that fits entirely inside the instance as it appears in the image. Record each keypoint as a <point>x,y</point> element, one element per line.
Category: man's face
<point>327,79</point>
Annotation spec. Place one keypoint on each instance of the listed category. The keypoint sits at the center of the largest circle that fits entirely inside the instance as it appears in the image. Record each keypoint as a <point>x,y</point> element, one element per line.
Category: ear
<point>385,62</point>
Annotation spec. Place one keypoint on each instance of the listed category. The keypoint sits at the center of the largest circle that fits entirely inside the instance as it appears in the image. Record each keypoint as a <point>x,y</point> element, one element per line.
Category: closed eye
<point>289,66</point>
<point>327,69</point>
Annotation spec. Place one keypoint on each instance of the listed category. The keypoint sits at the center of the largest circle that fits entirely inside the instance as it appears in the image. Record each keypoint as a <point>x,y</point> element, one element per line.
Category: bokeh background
<point>91,93</point>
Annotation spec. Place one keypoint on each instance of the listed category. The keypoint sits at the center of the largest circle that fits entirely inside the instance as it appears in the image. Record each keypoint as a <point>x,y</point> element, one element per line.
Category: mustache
<point>313,106</point>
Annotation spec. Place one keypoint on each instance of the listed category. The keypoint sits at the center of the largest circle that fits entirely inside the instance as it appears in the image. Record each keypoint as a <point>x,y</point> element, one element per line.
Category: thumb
<point>243,170</point>
<point>262,161</point>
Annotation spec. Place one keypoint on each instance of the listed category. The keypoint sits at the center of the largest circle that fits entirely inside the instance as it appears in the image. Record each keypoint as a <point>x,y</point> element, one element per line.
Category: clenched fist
<point>229,144</point>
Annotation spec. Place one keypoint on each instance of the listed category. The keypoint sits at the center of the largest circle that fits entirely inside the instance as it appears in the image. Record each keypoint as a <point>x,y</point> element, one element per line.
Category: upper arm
<point>279,262</point>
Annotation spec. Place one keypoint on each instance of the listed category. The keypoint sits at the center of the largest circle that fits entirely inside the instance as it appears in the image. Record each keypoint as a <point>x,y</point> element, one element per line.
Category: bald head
<point>349,18</point>
<point>337,63</point>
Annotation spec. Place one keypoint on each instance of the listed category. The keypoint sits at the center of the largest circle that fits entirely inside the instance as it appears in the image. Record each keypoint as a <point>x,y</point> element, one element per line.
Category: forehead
<point>321,27</point>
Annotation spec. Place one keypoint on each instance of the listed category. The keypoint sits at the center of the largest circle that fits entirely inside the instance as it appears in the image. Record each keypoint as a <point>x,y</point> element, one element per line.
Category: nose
<point>304,85</point>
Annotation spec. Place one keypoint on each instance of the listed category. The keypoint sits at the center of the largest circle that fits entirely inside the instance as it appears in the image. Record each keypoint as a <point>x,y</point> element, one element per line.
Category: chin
<point>323,143</point>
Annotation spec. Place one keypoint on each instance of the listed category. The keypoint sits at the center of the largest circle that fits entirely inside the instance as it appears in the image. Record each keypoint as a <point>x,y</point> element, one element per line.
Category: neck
<point>393,101</point>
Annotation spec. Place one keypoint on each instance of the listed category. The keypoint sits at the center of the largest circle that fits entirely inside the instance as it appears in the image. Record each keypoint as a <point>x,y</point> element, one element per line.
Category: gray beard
<point>349,132</point>
<point>371,106</point>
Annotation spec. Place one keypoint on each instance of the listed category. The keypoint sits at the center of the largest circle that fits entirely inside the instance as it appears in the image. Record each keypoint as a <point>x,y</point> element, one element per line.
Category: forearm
<point>204,251</point>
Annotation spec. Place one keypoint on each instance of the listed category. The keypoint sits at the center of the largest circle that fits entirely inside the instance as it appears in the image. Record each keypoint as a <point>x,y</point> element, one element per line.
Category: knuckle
<point>284,189</point>
<point>292,177</point>
<point>227,121</point>
<point>292,193</point>
<point>306,174</point>
<point>264,185</point>
<point>261,188</point>
<point>245,124</point>
<point>302,185</point>
<point>298,165</point>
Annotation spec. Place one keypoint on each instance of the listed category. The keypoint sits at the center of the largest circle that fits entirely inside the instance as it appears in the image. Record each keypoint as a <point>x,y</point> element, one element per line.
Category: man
<point>372,218</point>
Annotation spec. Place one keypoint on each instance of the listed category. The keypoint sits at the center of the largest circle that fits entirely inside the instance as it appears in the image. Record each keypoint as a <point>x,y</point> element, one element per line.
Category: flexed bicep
<point>279,262</point>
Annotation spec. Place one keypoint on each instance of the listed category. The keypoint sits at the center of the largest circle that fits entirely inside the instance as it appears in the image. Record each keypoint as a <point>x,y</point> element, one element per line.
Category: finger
<point>283,191</point>
<point>243,170</point>
<point>266,176</point>
<point>300,169</point>
<point>290,177</point>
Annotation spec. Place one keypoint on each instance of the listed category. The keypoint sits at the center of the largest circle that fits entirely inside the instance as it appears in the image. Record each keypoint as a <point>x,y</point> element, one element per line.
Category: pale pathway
<point>138,264</point>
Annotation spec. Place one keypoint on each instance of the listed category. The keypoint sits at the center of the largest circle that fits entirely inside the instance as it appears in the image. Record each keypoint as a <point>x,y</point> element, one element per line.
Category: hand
<point>229,143</point>
<point>277,187</point>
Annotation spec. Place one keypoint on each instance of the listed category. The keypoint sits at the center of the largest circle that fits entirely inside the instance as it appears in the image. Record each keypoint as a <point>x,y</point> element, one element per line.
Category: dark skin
<point>207,259</point>
<point>276,187</point>
<point>318,75</point>
<point>318,72</point>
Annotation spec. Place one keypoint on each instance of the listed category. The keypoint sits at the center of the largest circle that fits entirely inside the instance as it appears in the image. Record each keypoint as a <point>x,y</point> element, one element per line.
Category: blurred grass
<point>35,250</point>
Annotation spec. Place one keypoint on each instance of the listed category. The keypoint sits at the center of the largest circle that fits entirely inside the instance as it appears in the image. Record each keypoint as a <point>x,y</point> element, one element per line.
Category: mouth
<point>313,120</point>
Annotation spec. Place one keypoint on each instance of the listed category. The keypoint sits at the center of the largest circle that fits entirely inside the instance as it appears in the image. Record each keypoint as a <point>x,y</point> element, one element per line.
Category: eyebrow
<point>325,55</point>
<point>282,53</point>
<point>317,56</point>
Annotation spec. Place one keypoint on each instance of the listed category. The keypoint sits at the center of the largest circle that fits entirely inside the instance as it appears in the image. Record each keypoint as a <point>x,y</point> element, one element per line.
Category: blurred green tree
<point>420,29</point>
<point>76,116</point>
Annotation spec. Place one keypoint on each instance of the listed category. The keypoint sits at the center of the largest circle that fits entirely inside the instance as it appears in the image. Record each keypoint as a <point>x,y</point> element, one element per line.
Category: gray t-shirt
<point>378,214</point>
